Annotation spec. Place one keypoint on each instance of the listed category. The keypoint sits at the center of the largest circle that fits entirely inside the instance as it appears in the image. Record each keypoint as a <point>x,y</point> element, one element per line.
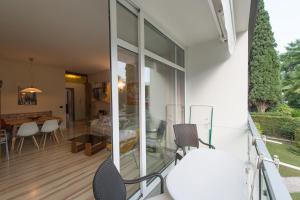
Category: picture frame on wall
<point>26,98</point>
<point>101,91</point>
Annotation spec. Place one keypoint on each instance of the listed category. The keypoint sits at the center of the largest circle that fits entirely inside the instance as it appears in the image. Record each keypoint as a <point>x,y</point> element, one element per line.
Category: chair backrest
<point>186,135</point>
<point>28,129</point>
<point>49,126</point>
<point>161,129</point>
<point>108,183</point>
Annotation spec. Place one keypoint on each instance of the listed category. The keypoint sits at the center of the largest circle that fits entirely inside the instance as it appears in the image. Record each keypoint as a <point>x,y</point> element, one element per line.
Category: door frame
<point>73,99</point>
<point>116,42</point>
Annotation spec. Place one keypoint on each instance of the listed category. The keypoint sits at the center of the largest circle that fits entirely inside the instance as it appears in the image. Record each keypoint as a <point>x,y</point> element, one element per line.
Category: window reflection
<point>128,85</point>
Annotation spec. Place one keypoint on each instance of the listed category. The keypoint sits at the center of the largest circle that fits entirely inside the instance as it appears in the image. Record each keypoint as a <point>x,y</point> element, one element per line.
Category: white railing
<point>271,185</point>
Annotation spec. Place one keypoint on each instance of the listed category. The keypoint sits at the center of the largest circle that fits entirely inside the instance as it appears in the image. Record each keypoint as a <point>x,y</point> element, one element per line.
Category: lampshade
<point>31,90</point>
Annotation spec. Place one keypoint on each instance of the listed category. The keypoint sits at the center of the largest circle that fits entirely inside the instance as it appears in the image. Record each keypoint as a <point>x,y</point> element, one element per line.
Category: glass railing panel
<point>270,184</point>
<point>264,191</point>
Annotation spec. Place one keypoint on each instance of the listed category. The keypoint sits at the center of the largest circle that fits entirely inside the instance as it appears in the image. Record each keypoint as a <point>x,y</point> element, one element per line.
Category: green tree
<point>291,58</point>
<point>264,84</point>
<point>290,62</point>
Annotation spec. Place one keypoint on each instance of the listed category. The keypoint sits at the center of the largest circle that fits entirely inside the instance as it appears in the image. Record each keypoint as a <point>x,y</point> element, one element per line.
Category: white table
<point>207,174</point>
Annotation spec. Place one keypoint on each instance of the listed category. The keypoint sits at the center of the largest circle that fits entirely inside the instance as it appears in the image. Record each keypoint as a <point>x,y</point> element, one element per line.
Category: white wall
<point>79,99</point>
<point>213,77</point>
<point>49,79</point>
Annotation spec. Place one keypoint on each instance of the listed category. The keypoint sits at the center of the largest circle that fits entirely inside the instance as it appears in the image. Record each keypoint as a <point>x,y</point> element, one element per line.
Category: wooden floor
<point>56,173</point>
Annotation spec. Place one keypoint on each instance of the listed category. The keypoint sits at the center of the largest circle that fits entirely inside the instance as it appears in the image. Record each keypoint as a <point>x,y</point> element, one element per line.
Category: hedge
<point>277,125</point>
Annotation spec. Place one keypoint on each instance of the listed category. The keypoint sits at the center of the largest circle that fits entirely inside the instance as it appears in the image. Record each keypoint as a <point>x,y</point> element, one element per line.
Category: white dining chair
<point>28,129</point>
<point>50,127</point>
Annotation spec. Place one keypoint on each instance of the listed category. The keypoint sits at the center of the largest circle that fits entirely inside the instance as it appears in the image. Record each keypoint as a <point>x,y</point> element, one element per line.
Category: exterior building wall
<point>213,77</point>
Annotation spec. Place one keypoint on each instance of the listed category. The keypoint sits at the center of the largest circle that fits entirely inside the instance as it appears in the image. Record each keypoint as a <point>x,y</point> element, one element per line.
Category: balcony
<point>263,178</point>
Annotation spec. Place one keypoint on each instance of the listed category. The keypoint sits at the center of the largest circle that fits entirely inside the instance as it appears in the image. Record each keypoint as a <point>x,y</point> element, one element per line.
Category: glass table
<point>91,144</point>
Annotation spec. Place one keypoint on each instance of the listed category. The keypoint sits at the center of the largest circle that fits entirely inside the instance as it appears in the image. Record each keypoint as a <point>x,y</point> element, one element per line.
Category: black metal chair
<point>154,142</point>
<point>186,135</point>
<point>109,185</point>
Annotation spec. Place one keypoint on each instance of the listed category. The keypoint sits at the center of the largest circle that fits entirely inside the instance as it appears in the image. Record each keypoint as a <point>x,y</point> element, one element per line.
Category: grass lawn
<point>287,153</point>
<point>295,196</point>
<point>288,172</point>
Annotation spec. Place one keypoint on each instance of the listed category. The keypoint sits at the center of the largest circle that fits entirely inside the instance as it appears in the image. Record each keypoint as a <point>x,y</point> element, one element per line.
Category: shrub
<point>259,128</point>
<point>277,125</point>
<point>267,114</point>
<point>288,129</point>
<point>296,113</point>
<point>284,109</point>
<point>297,137</point>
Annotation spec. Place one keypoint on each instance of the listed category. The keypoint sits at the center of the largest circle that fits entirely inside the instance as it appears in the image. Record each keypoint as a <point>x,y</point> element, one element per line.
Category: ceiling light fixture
<point>31,89</point>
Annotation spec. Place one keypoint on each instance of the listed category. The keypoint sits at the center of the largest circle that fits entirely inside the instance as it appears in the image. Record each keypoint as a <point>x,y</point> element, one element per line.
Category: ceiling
<point>191,21</point>
<point>73,34</point>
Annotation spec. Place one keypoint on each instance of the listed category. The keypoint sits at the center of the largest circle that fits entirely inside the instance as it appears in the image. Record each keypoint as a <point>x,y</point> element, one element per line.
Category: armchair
<point>186,135</point>
<point>109,185</point>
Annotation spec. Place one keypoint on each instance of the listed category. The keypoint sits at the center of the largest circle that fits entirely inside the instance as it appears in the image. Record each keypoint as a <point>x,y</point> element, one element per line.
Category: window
<point>179,56</point>
<point>161,45</point>
<point>127,25</point>
<point>160,114</point>
<point>128,85</point>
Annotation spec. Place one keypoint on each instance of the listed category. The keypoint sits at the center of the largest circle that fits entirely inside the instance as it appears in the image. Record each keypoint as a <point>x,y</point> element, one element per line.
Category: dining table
<point>16,123</point>
<point>208,174</point>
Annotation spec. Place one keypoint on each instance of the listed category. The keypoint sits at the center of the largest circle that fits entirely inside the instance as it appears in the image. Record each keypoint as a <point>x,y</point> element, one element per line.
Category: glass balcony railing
<point>266,182</point>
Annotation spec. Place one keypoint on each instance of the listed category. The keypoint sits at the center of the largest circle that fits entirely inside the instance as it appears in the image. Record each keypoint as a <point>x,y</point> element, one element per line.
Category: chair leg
<point>177,157</point>
<point>51,137</point>
<point>61,133</point>
<point>42,139</point>
<point>20,146</point>
<point>45,138</point>
<point>35,142</point>
<point>55,136</point>
<point>7,152</point>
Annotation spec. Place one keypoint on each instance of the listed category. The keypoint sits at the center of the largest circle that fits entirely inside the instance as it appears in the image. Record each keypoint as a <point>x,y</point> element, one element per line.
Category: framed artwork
<point>96,93</point>
<point>101,91</point>
<point>26,98</point>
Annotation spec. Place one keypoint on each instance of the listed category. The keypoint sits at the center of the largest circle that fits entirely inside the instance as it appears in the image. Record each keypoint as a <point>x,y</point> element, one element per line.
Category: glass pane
<point>179,56</point>
<point>127,25</point>
<point>158,43</point>
<point>129,116</point>
<point>160,114</point>
<point>264,192</point>
<point>180,97</point>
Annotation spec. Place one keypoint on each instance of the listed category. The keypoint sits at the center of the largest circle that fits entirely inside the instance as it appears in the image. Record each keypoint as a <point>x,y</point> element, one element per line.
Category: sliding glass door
<point>128,85</point>
<point>160,114</point>
<point>148,78</point>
